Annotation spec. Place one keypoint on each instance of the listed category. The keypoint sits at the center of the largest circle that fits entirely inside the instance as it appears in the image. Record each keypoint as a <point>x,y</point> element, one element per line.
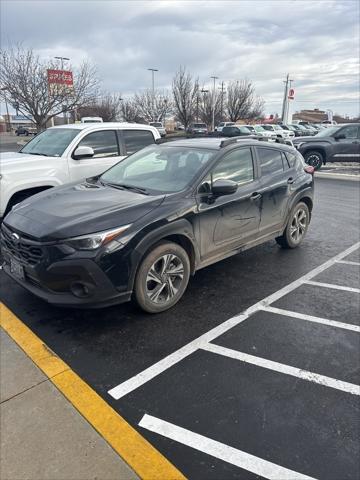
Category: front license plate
<point>17,269</point>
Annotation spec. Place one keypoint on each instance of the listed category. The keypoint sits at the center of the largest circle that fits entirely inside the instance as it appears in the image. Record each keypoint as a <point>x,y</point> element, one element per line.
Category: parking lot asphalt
<point>268,393</point>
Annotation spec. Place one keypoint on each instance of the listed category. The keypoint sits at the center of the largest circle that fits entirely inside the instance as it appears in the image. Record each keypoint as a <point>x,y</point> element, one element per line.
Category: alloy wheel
<point>164,278</point>
<point>298,225</point>
<point>314,160</point>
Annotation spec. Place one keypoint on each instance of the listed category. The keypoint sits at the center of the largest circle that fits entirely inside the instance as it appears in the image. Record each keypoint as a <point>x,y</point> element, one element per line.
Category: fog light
<point>80,289</point>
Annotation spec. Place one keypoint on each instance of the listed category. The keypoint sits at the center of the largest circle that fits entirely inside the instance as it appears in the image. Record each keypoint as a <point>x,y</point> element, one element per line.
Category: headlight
<point>93,241</point>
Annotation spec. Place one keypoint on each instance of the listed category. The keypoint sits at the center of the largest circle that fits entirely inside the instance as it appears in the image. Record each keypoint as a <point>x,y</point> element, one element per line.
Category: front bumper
<point>56,276</point>
<point>101,291</point>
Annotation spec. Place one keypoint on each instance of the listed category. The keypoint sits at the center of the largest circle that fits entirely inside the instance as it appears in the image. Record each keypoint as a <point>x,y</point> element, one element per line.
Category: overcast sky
<point>316,41</point>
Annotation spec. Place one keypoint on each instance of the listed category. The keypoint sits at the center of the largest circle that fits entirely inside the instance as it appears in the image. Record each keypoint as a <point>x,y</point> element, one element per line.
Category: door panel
<point>229,221</point>
<point>106,148</point>
<point>276,186</point>
<point>347,149</point>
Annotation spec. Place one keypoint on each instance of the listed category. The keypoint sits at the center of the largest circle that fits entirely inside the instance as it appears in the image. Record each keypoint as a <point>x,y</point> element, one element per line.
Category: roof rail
<point>229,141</point>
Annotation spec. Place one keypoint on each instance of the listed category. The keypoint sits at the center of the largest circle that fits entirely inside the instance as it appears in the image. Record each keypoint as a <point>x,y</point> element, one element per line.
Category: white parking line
<point>219,450</point>
<point>333,286</point>
<point>348,262</point>
<point>282,368</point>
<point>311,318</point>
<point>151,372</point>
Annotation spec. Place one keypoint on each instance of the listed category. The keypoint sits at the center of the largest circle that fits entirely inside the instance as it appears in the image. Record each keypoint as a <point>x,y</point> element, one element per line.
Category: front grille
<point>21,247</point>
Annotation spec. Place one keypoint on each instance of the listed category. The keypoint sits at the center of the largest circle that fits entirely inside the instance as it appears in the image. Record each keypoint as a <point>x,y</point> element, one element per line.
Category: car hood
<point>78,209</point>
<point>310,139</point>
<point>16,161</point>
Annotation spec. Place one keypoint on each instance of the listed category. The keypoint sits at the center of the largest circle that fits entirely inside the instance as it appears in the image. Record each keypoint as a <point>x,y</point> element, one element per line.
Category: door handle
<point>255,196</point>
<point>290,180</point>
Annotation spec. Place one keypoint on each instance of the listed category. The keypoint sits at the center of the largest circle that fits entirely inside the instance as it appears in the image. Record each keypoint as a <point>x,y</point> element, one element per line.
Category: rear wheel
<point>296,227</point>
<point>314,158</point>
<point>162,277</point>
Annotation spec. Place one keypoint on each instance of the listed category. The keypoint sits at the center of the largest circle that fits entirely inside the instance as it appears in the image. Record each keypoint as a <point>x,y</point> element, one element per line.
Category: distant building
<point>318,116</point>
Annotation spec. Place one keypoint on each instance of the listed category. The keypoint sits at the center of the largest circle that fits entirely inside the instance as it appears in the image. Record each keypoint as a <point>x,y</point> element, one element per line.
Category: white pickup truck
<point>67,153</point>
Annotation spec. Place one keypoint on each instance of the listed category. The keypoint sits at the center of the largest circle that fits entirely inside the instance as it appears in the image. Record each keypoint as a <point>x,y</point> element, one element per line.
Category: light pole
<point>153,70</point>
<point>213,104</point>
<point>62,59</point>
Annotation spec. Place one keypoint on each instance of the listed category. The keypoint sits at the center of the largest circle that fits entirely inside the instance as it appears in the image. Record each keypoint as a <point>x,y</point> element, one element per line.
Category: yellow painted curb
<point>138,453</point>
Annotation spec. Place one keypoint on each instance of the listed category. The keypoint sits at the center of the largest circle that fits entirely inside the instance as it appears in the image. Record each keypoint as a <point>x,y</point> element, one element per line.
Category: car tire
<point>314,158</point>
<point>296,227</point>
<point>156,289</point>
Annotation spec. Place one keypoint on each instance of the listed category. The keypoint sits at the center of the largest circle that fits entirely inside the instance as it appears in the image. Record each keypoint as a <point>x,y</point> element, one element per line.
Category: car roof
<point>214,143</point>
<point>96,125</point>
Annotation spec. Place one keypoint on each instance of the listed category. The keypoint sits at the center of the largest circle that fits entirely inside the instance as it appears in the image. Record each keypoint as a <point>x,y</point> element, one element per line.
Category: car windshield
<point>156,124</point>
<point>327,132</point>
<point>259,128</point>
<point>250,127</point>
<point>267,127</point>
<point>51,142</point>
<point>277,127</point>
<point>158,169</point>
<point>301,127</point>
<point>199,125</point>
<point>244,130</point>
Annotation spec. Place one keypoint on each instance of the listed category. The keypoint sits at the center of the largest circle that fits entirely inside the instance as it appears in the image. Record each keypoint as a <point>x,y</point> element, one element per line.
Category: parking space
<point>255,374</point>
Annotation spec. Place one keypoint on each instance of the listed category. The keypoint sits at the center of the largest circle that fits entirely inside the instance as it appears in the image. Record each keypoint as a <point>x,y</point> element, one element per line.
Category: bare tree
<point>24,83</point>
<point>152,107</point>
<point>239,99</point>
<point>106,106</point>
<point>129,111</point>
<point>206,108</point>
<point>256,111</point>
<point>185,92</point>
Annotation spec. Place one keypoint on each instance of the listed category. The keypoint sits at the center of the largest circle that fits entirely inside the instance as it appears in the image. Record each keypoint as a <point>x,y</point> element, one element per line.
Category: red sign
<point>60,77</point>
<point>291,94</point>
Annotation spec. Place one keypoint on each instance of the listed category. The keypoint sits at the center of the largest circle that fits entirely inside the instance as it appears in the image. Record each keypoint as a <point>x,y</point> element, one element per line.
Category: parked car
<point>197,128</point>
<point>130,233</point>
<point>26,131</point>
<point>235,131</point>
<point>221,125</point>
<point>301,129</point>
<point>271,135</point>
<point>159,127</point>
<point>297,131</point>
<point>65,154</point>
<point>91,120</point>
<point>339,143</point>
<point>280,133</point>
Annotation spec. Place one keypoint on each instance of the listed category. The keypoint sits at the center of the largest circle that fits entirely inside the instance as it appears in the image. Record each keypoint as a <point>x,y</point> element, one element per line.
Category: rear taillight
<point>309,169</point>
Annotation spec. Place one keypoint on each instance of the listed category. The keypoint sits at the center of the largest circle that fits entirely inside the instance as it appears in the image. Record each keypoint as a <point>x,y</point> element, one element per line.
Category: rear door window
<point>270,161</point>
<point>134,140</point>
<point>236,166</point>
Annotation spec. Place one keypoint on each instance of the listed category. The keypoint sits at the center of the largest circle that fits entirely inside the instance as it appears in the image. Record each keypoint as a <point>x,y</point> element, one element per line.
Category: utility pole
<point>213,104</point>
<point>222,101</point>
<point>153,70</point>
<point>285,107</point>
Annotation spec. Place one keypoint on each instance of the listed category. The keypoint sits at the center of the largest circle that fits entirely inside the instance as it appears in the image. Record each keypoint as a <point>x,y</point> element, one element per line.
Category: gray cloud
<point>317,42</point>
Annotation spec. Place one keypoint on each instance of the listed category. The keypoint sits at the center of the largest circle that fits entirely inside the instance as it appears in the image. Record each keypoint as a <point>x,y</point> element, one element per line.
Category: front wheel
<point>162,277</point>
<point>296,227</point>
<point>314,158</point>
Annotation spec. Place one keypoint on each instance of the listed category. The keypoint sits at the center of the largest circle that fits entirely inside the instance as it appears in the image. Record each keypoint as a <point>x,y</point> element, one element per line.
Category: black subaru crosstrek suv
<point>144,226</point>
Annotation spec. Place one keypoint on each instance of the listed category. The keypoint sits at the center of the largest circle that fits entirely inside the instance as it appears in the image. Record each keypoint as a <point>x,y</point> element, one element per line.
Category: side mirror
<point>83,152</point>
<point>224,187</point>
<point>339,136</point>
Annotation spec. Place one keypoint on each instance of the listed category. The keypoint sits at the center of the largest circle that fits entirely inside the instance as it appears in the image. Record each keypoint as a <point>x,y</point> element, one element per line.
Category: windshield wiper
<point>124,186</point>
<point>35,153</point>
